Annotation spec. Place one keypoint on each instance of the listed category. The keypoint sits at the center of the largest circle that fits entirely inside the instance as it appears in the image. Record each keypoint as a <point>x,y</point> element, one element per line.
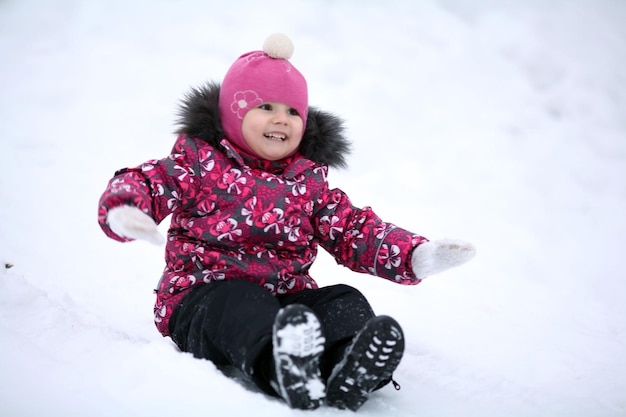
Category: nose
<point>280,117</point>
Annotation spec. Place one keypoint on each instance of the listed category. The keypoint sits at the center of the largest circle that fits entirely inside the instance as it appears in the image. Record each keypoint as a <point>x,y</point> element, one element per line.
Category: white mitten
<point>132,223</point>
<point>436,256</point>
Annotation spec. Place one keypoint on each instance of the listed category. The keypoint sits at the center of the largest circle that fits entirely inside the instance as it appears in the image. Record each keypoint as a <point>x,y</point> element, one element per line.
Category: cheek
<point>299,128</point>
<point>249,127</point>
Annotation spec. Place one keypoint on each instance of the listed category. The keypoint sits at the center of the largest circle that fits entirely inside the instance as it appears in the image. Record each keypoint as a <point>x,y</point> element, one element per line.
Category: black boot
<point>298,344</point>
<point>370,360</point>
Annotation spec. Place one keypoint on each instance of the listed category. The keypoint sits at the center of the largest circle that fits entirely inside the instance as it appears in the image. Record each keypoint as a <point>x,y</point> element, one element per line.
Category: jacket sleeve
<point>358,239</point>
<point>155,186</point>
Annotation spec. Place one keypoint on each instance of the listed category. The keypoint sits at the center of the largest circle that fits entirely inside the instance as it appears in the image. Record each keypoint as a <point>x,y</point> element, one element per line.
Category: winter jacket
<point>237,217</point>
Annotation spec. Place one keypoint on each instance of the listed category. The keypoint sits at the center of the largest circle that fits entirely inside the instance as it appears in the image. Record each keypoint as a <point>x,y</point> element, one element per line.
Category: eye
<point>265,106</point>
<point>293,112</point>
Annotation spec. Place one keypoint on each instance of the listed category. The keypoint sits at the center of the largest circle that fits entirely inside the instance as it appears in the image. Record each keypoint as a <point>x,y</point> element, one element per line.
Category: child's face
<point>272,130</point>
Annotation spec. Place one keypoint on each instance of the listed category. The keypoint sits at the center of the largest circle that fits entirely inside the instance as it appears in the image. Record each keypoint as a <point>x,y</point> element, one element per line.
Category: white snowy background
<point>499,122</point>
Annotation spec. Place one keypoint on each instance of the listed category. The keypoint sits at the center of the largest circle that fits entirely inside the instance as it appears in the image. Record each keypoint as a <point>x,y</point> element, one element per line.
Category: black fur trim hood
<point>323,141</point>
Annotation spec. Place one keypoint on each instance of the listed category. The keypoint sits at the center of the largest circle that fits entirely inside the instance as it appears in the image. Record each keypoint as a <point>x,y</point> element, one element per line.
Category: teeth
<point>274,136</point>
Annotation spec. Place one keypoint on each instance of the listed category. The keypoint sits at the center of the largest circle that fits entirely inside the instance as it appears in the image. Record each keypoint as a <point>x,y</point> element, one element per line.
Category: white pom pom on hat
<point>278,46</point>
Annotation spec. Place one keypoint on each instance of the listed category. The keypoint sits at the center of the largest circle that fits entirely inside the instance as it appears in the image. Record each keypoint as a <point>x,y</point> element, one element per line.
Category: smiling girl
<point>246,185</point>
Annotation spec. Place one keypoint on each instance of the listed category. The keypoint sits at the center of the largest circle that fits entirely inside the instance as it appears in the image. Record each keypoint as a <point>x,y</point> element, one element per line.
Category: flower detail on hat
<point>243,101</point>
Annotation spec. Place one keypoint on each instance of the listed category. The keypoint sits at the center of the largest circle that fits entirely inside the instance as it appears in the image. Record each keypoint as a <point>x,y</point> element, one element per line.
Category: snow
<point>499,122</point>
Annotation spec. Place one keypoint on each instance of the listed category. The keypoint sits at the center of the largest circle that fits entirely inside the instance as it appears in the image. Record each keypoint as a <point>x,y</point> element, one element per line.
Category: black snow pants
<point>230,323</point>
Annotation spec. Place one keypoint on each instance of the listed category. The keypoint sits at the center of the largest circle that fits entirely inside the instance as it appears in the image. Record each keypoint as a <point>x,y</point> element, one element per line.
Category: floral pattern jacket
<point>237,217</point>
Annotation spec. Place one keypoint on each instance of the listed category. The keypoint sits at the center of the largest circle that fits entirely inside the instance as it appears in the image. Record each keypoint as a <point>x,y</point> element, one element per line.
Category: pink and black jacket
<point>237,217</point>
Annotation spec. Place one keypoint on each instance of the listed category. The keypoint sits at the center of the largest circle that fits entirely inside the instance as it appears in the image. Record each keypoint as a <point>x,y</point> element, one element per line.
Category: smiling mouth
<point>274,136</point>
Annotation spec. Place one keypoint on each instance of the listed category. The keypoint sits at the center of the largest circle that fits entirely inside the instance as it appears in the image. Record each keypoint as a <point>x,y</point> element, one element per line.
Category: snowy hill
<point>511,116</point>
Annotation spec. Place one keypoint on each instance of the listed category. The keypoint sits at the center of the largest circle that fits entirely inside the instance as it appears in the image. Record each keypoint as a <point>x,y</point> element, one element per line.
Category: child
<point>246,186</point>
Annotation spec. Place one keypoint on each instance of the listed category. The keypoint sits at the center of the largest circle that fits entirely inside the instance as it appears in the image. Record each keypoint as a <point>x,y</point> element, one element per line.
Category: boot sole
<point>372,358</point>
<point>298,344</point>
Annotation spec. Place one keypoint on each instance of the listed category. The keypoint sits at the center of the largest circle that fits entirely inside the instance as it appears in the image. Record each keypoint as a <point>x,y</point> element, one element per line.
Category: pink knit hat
<point>259,77</point>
